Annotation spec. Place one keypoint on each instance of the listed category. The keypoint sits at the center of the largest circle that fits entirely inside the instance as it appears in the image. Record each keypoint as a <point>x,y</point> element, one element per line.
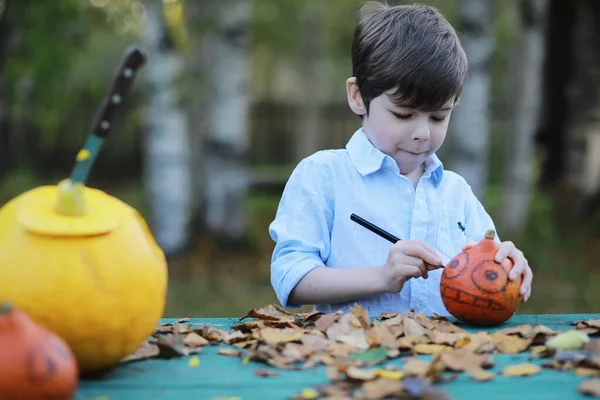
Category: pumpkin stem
<point>491,234</point>
<point>6,307</point>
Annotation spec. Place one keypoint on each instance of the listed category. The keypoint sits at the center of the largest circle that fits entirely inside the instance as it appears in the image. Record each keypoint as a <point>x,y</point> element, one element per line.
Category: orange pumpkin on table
<point>35,363</point>
<point>476,289</point>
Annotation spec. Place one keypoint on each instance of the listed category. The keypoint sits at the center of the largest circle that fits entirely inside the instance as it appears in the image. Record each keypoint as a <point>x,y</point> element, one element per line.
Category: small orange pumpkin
<point>476,289</point>
<point>34,362</point>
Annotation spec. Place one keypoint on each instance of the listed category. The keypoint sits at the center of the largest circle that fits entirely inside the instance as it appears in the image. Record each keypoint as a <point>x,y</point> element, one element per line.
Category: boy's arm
<point>301,231</point>
<point>335,285</point>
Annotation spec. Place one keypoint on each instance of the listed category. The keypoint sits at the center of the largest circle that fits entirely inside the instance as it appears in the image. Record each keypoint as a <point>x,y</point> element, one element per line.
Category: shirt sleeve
<point>478,221</point>
<point>301,228</point>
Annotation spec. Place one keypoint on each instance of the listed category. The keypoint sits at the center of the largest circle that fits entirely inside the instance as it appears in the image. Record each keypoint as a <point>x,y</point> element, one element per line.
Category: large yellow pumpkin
<point>82,263</point>
<point>98,279</point>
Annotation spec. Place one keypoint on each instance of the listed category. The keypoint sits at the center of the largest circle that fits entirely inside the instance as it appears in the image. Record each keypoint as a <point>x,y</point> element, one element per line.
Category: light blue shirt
<point>313,228</point>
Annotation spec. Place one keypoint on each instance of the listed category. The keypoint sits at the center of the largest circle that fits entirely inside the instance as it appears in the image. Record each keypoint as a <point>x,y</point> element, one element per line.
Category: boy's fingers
<point>527,279</point>
<point>507,249</point>
<point>519,269</point>
<point>429,255</point>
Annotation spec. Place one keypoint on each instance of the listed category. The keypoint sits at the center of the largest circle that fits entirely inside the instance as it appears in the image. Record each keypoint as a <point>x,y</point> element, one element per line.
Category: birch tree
<point>470,124</point>
<point>227,144</point>
<point>308,139</point>
<point>167,165</point>
<point>526,77</point>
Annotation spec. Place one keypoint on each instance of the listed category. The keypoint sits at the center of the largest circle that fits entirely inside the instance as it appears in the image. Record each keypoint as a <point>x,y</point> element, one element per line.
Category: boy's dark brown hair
<point>410,48</point>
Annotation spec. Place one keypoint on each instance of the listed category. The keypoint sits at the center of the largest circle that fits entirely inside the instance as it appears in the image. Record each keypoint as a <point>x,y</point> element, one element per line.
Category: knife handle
<point>134,58</point>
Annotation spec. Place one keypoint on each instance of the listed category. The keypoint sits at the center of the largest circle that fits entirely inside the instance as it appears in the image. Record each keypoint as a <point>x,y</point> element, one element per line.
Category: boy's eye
<point>438,119</point>
<point>401,116</point>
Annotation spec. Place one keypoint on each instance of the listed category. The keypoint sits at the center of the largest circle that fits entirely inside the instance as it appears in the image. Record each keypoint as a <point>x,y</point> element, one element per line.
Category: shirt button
<point>407,191</point>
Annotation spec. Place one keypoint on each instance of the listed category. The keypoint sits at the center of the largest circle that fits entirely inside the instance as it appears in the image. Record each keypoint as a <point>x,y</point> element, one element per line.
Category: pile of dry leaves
<point>355,349</point>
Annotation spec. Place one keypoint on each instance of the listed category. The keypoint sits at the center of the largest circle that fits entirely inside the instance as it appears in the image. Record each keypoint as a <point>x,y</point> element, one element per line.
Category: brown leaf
<point>262,372</point>
<point>480,342</point>
<point>234,337</point>
<point>521,370</point>
<point>510,344</point>
<point>479,374</point>
<point>228,351</point>
<point>357,373</point>
<point>194,340</point>
<point>413,328</point>
<point>380,335</point>
<point>182,320</point>
<point>362,316</point>
<point>395,321</point>
<point>314,342</point>
<point>275,336</point>
<point>271,312</point>
<point>585,372</point>
<point>461,360</point>
<point>165,328</point>
<point>448,327</point>
<point>311,316</point>
<point>345,331</point>
<point>146,351</point>
<point>590,387</point>
<point>171,346</point>
<point>269,355</point>
<point>245,343</point>
<point>325,321</point>
<point>425,348</point>
<point>296,352</point>
<point>182,328</point>
<point>211,333</point>
<point>333,392</point>
<point>415,366</point>
<point>535,333</point>
<point>588,323</point>
<point>424,321</point>
<point>387,315</point>
<point>339,350</point>
<point>381,388</point>
<point>440,337</point>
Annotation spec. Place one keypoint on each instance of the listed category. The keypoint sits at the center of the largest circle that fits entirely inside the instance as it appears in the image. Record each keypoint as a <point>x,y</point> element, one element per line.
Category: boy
<point>408,72</point>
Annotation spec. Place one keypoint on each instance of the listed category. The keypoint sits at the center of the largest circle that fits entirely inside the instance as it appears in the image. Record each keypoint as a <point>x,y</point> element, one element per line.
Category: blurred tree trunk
<point>526,78</point>
<point>227,174</point>
<point>571,128</point>
<point>308,139</point>
<point>199,16</point>
<point>5,33</point>
<point>470,123</point>
<point>167,153</point>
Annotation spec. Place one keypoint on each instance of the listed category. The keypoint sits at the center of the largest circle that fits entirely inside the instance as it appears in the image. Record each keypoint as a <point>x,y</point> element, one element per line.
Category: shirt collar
<point>368,159</point>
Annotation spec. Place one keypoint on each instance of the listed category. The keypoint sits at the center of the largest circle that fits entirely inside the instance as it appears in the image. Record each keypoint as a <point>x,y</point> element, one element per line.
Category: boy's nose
<point>421,133</point>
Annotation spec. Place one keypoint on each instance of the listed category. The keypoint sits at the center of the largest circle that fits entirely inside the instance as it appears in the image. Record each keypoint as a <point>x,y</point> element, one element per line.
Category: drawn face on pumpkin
<point>477,289</point>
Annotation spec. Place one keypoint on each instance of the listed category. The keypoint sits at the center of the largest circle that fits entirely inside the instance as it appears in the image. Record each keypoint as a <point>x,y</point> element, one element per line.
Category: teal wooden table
<point>223,377</point>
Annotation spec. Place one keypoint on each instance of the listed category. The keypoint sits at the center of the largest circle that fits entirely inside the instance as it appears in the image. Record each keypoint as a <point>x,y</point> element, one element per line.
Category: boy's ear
<point>355,100</point>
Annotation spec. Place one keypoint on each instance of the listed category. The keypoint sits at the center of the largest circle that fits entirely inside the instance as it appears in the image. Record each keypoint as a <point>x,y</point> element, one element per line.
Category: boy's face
<point>407,135</point>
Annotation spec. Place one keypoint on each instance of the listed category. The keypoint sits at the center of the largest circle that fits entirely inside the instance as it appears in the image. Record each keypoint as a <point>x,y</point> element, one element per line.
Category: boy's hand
<point>521,266</point>
<point>408,259</point>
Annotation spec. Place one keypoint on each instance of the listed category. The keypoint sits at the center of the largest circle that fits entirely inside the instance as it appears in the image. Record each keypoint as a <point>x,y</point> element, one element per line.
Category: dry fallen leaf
<point>353,346</point>
<point>521,370</point>
<point>194,340</point>
<point>262,372</point>
<point>590,387</point>
<point>271,312</point>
